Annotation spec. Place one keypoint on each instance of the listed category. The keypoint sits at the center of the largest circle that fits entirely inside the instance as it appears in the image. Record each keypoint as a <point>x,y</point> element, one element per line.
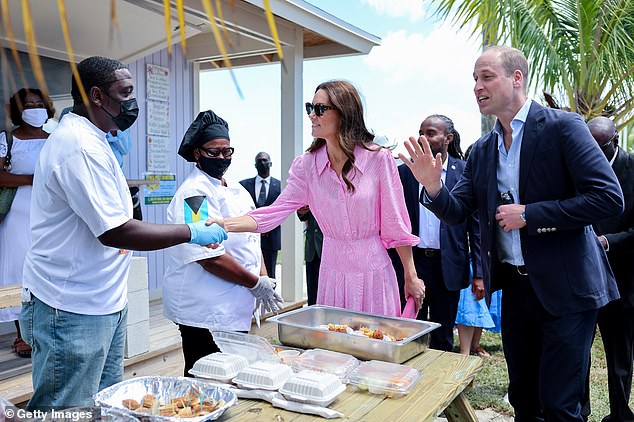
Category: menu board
<point>158,153</point>
<point>158,118</point>
<point>157,85</point>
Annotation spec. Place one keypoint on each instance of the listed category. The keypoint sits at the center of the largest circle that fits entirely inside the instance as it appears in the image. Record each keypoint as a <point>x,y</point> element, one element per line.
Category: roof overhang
<point>140,30</point>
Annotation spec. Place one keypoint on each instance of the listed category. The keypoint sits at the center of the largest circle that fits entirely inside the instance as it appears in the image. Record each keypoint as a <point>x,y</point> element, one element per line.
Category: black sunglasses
<point>319,109</point>
<point>506,198</point>
<point>216,152</point>
<point>607,144</point>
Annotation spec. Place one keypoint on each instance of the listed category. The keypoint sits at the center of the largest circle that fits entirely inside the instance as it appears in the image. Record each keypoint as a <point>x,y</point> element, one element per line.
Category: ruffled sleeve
<point>292,197</point>
<point>396,229</point>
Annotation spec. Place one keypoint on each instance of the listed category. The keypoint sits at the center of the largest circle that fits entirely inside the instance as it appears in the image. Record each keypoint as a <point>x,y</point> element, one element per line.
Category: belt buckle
<point>521,270</point>
<point>429,253</point>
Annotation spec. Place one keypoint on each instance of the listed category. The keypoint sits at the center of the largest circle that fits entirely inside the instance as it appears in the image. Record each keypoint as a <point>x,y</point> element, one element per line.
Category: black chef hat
<point>207,127</point>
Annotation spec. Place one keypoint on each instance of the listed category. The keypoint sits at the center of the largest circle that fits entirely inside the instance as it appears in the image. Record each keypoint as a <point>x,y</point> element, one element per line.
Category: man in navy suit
<point>442,255</point>
<point>264,190</point>
<point>554,182</point>
<point>616,319</point>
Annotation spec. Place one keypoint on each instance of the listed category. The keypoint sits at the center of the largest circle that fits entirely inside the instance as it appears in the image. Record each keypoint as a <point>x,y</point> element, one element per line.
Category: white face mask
<point>35,117</point>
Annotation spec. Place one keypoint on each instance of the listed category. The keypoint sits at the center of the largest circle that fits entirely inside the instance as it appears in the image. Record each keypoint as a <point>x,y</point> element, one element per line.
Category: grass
<point>491,383</point>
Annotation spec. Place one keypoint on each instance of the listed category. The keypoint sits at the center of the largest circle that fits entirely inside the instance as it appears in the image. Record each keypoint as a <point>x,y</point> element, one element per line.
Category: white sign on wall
<point>158,118</point>
<point>158,154</point>
<point>157,85</point>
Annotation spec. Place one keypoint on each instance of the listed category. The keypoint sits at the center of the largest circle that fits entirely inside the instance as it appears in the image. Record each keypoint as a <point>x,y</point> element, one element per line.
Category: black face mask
<point>215,167</point>
<point>128,114</point>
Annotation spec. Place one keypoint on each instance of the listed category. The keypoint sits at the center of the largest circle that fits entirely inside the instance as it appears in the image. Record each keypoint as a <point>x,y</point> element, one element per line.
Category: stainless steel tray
<point>300,329</point>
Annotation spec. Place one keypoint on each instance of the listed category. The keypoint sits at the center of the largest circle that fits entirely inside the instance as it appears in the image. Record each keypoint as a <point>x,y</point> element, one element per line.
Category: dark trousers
<point>547,356</point>
<point>197,343</point>
<point>617,332</point>
<point>312,279</point>
<point>270,261</point>
<point>440,305</point>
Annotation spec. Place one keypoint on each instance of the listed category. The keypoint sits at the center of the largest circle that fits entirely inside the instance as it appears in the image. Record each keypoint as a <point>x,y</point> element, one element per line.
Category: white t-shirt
<point>79,193</point>
<point>191,295</point>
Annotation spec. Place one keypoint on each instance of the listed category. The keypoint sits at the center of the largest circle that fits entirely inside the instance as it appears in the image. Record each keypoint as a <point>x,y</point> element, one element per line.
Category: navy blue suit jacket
<point>271,240</point>
<point>566,184</point>
<point>620,231</point>
<point>454,248</point>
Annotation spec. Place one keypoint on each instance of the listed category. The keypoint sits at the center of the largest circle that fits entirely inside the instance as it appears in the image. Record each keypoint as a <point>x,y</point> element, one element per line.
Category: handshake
<point>203,234</point>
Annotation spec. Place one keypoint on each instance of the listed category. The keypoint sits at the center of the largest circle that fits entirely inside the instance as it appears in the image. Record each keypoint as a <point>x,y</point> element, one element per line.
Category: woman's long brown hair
<point>352,132</point>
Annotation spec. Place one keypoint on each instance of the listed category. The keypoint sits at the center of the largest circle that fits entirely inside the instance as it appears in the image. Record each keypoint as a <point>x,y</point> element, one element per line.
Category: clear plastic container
<point>339,364</point>
<point>264,375</point>
<point>253,348</point>
<point>288,356</point>
<point>391,379</point>
<point>313,387</point>
<point>219,366</point>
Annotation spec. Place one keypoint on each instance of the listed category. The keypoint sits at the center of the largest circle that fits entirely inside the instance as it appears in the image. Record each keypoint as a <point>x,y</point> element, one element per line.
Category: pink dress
<point>356,272</point>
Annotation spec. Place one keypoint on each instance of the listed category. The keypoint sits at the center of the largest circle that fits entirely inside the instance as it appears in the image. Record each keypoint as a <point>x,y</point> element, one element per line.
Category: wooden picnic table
<point>445,377</point>
<point>10,295</point>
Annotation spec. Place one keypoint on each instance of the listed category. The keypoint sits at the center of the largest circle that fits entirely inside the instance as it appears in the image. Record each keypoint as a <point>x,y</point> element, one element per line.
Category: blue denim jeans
<point>74,356</point>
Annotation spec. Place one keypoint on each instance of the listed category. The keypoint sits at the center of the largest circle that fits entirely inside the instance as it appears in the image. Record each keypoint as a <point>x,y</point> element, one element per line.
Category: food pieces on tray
<point>192,405</point>
<point>362,331</point>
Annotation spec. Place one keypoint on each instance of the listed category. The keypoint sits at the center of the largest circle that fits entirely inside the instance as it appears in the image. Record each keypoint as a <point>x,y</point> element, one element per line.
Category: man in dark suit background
<point>616,319</point>
<point>264,190</point>
<point>312,252</point>
<point>546,169</point>
<point>442,255</point>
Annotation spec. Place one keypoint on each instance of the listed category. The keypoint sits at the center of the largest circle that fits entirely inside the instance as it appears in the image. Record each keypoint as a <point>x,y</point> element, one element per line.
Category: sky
<point>422,67</point>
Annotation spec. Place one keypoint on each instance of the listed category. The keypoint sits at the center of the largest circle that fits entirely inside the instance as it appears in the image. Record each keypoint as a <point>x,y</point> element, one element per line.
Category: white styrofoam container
<point>219,366</point>
<point>319,388</point>
<point>263,375</point>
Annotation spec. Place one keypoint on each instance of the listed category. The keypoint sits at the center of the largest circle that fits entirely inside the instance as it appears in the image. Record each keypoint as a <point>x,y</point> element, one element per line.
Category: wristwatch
<point>523,216</point>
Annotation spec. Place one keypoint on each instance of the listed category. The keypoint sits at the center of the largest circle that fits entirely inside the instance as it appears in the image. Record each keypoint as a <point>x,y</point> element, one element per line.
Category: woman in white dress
<point>29,109</point>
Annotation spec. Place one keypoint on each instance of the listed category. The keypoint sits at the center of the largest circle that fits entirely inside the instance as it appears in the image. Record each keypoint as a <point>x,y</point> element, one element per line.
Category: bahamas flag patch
<point>195,209</point>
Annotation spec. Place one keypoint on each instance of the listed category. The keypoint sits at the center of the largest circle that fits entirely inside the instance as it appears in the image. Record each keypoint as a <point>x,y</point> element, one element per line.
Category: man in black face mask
<point>76,271</point>
<point>264,190</point>
<point>616,319</point>
<point>227,281</point>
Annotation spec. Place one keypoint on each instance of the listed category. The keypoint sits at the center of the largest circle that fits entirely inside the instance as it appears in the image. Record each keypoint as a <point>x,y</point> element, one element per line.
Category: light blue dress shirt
<point>508,175</point>
<point>428,223</point>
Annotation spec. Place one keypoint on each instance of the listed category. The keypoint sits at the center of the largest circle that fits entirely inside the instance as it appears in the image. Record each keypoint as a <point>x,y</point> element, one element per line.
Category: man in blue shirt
<point>538,182</point>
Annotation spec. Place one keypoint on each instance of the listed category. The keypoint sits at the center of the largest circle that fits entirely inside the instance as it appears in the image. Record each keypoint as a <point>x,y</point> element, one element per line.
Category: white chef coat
<point>191,295</point>
<point>79,193</point>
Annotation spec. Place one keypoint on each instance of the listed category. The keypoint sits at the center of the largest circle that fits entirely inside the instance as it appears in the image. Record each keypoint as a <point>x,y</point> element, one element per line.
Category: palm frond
<point>581,51</point>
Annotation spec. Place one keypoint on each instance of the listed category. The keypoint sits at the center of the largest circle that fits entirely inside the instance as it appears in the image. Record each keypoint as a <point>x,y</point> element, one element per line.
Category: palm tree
<point>581,51</point>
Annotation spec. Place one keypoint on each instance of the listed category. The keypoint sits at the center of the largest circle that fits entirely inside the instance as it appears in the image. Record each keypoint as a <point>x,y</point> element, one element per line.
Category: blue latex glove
<point>202,234</point>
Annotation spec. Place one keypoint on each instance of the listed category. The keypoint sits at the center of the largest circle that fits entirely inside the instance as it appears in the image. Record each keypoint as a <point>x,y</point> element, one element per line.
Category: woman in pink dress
<point>354,192</point>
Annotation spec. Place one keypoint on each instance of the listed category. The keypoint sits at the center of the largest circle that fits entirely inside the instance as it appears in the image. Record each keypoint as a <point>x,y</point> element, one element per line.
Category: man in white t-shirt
<point>212,289</point>
<point>75,273</point>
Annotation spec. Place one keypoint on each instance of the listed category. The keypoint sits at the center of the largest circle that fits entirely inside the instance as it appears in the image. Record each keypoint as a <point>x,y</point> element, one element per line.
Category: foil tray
<point>300,329</point>
<point>164,388</point>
